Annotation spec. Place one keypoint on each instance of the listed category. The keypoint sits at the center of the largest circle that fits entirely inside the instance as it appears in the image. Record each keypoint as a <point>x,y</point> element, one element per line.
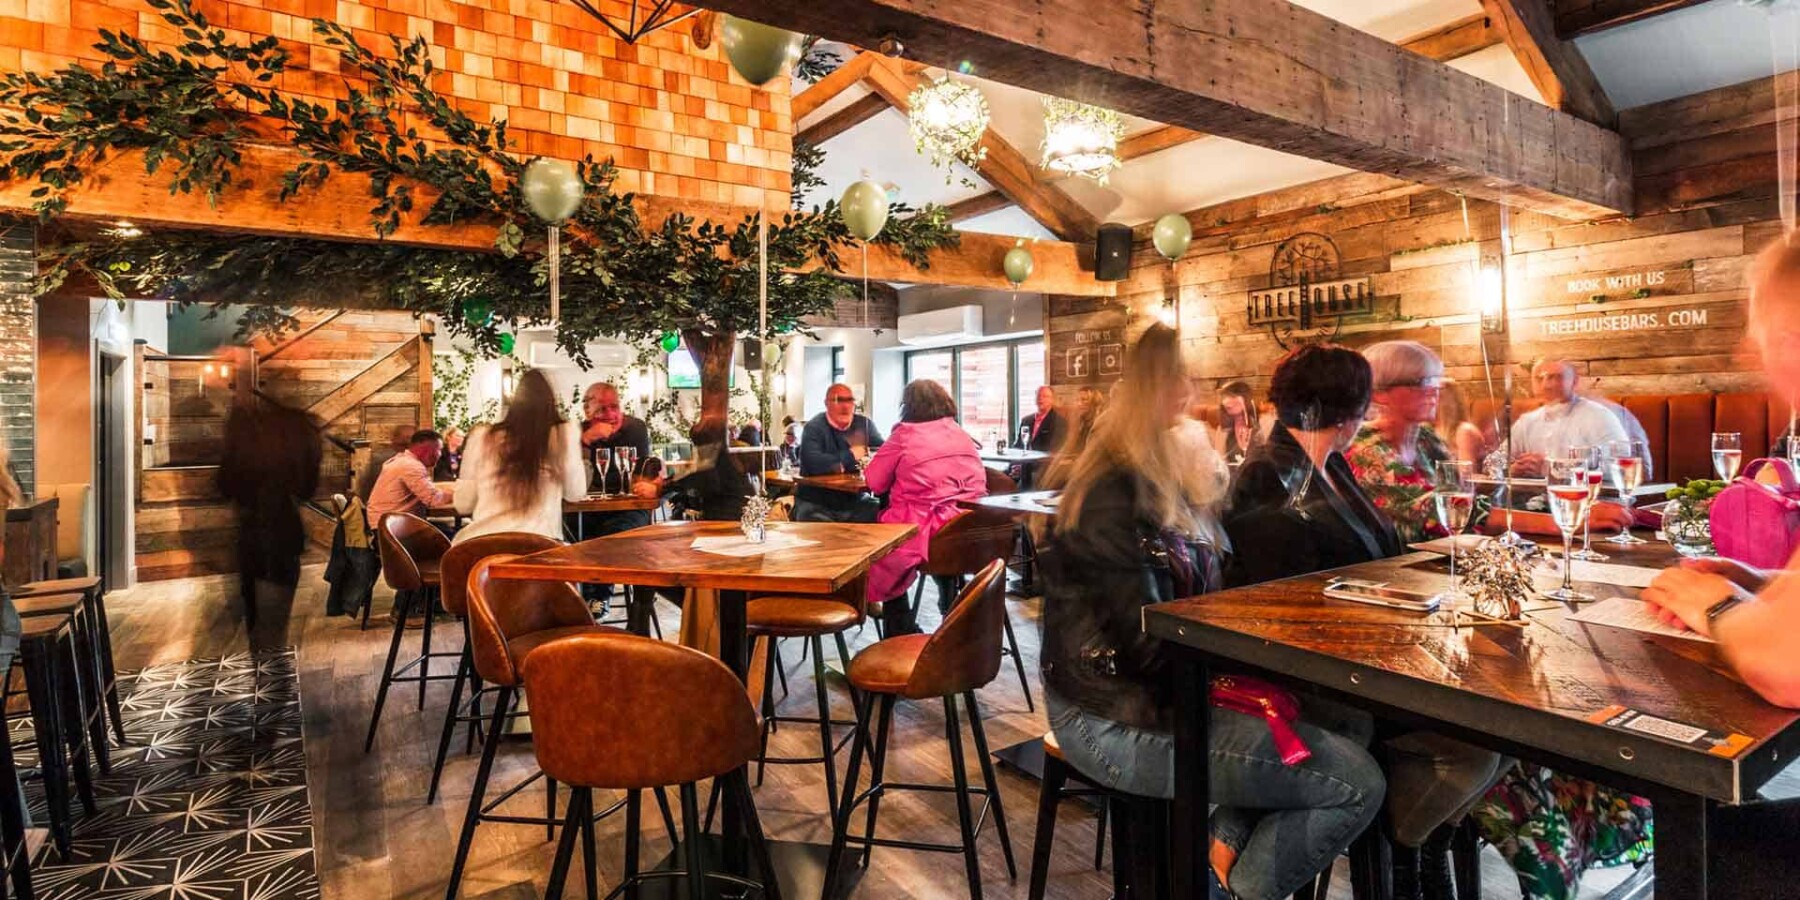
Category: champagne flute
<point>1570,500</point>
<point>1453,490</point>
<point>1728,453</point>
<point>1593,473</point>
<point>627,466</point>
<point>1625,462</point>
<point>602,462</point>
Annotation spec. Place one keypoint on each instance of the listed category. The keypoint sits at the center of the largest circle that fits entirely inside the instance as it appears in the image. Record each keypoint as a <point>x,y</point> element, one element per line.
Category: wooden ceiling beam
<point>859,111</point>
<point>1555,66</point>
<point>1156,139</point>
<point>1576,17</point>
<point>1271,74</point>
<point>826,89</point>
<point>978,205</point>
<point>1004,166</point>
<point>1455,40</point>
<point>338,210</point>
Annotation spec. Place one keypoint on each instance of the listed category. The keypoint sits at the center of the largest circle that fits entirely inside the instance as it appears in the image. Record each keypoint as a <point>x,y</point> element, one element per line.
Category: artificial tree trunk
<point>712,354</point>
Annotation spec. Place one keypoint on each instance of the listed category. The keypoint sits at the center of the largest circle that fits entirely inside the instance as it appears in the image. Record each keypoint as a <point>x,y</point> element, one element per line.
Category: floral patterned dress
<point>1553,827</point>
<point>1401,490</point>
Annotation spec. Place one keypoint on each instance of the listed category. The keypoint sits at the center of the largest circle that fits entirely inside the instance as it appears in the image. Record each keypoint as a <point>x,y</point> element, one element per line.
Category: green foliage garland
<point>619,278</point>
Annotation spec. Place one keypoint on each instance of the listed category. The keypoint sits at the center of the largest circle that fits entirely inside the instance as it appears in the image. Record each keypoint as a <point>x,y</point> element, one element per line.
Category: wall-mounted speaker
<point>753,349</point>
<point>1112,252</point>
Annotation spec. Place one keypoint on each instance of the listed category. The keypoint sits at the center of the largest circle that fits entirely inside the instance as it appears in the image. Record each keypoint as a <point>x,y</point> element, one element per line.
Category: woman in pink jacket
<point>926,466</point>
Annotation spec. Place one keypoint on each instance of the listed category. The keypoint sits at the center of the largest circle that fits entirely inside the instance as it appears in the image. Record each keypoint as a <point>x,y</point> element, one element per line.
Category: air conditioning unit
<point>954,325</point>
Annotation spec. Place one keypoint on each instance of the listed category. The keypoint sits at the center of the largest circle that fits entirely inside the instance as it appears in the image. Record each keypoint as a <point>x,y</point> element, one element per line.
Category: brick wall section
<point>676,120</point>
<point>18,348</point>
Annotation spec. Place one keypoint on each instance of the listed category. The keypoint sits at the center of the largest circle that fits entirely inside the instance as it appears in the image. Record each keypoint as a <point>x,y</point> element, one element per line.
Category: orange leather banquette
<point>1680,426</point>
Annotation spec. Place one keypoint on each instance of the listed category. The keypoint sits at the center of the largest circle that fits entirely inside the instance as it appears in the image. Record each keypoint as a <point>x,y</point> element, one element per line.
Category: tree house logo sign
<point>1306,300</point>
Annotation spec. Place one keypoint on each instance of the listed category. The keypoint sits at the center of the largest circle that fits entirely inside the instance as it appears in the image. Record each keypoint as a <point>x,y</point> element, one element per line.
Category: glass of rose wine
<point>1453,490</point>
<point>602,463</point>
<point>1625,462</point>
<point>1570,500</point>
<point>1593,472</point>
<point>1728,453</point>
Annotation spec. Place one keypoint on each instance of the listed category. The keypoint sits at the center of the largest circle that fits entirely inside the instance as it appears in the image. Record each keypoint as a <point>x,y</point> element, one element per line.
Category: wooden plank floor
<point>376,837</point>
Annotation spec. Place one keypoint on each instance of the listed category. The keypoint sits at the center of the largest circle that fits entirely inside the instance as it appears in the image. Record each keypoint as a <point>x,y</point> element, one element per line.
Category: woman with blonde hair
<point>516,473</point>
<point>1136,526</point>
<point>1090,402</point>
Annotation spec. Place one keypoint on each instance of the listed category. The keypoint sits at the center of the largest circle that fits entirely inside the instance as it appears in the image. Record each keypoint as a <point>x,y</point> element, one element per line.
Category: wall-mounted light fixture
<point>1490,296</point>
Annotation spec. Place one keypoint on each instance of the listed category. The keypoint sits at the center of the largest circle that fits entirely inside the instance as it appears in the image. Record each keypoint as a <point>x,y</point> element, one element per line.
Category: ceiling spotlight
<point>891,46</point>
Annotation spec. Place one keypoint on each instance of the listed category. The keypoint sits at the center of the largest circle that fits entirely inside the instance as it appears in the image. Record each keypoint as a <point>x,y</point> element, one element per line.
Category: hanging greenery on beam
<point>621,277</point>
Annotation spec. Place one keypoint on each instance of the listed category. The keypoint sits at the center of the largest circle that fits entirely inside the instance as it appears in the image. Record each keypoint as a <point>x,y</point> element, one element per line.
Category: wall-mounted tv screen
<point>684,373</point>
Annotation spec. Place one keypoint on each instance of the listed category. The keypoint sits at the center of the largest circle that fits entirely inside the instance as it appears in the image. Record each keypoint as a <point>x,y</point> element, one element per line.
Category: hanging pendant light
<point>1080,139</point>
<point>947,120</point>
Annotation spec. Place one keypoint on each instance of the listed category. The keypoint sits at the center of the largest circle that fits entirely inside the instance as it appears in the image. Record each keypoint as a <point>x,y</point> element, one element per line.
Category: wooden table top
<point>663,556</point>
<point>592,503</point>
<point>1027,503</point>
<point>843,482</point>
<point>1534,687</point>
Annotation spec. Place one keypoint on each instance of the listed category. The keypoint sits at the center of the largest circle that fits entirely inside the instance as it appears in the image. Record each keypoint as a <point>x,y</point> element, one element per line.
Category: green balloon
<point>1018,265</point>
<point>1172,235</point>
<point>507,342</point>
<point>757,51</point>
<point>865,209</point>
<point>669,341</point>
<point>476,312</point>
<point>552,189</point>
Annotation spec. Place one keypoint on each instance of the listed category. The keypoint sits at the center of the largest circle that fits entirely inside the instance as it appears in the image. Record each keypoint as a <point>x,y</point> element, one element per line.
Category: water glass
<point>1453,492</point>
<point>1593,464</point>
<point>1727,454</point>
<point>1625,463</point>
<point>1570,500</point>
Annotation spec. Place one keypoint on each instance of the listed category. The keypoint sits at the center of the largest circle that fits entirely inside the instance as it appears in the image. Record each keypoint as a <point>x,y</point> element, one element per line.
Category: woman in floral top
<point>1550,826</point>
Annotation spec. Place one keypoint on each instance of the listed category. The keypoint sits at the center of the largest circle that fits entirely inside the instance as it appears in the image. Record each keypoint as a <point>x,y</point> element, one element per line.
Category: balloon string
<point>1784,52</point>
<point>555,273</point>
<point>865,254</point>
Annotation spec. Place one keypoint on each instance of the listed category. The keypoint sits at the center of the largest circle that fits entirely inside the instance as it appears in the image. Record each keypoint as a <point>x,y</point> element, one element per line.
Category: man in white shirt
<point>1566,420</point>
<point>405,485</point>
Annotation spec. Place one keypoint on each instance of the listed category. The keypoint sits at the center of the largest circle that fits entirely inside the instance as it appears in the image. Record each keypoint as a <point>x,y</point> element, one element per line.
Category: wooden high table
<point>1540,693</point>
<point>662,556</point>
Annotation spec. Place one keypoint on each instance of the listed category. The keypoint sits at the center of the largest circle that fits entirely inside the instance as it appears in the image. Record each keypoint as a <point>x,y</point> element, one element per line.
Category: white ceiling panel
<point>1687,51</point>
<point>883,148</point>
<point>1011,220</point>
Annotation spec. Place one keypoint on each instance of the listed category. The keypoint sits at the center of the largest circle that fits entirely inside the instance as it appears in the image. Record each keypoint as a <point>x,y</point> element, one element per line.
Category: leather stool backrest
<point>405,541</point>
<point>964,653</point>
<point>623,712</point>
<point>461,558</point>
<point>502,611</point>
<point>967,542</point>
<point>999,482</point>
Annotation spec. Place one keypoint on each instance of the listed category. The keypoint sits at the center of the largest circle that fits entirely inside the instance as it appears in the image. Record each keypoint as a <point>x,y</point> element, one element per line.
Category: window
<point>994,385</point>
<point>837,365</point>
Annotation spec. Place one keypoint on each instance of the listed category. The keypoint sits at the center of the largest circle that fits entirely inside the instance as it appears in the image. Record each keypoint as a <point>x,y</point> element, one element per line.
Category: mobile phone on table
<point>1382,595</point>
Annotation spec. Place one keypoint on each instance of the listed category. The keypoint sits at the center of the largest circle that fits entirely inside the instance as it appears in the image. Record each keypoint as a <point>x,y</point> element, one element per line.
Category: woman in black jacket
<point>1134,526</point>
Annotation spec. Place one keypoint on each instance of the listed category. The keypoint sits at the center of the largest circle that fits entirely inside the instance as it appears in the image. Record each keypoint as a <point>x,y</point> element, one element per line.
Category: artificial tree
<point>620,276</point>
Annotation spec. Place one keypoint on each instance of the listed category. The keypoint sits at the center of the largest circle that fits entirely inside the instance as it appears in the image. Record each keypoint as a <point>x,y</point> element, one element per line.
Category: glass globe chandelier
<point>1080,139</point>
<point>947,120</point>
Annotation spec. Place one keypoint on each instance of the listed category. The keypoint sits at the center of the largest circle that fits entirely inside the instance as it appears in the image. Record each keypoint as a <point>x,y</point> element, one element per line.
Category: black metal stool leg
<point>662,801</point>
<point>1012,645</point>
<point>402,606</point>
<point>1100,836</point>
<point>987,775</point>
<point>877,771</point>
<point>964,818</point>
<point>478,795</point>
<point>582,802</point>
<point>634,821</point>
<point>840,826</point>
<point>109,678</point>
<point>565,852</point>
<point>696,862</point>
<point>737,784</point>
<point>69,691</point>
<point>1056,774</point>
<point>451,714</point>
<point>824,700</point>
<point>425,647</point>
<point>768,702</point>
<point>40,685</point>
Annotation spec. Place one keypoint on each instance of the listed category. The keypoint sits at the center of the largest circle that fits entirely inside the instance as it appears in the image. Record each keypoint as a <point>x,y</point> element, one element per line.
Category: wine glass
<point>1728,453</point>
<point>1453,490</point>
<point>627,465</point>
<point>602,462</point>
<point>1570,500</point>
<point>1593,473</point>
<point>1789,448</point>
<point>1625,462</point>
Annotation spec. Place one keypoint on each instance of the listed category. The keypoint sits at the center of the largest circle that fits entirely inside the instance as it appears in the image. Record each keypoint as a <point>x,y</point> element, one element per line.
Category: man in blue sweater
<point>836,441</point>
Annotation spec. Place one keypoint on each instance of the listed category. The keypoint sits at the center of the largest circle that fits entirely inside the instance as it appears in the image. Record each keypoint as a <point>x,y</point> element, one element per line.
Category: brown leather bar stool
<point>811,618</point>
<point>1051,793</point>
<point>90,702</point>
<point>454,570</point>
<point>53,685</point>
<point>959,549</point>
<point>507,620</point>
<point>411,552</point>
<point>624,712</point>
<point>93,594</point>
<point>962,655</point>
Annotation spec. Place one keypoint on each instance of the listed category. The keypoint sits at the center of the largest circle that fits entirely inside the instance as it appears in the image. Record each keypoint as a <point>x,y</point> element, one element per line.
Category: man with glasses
<point>1566,419</point>
<point>838,440</point>
<point>605,426</point>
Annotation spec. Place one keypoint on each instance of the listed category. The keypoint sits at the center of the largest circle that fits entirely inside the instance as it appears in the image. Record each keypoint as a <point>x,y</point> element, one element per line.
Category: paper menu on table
<point>737,545</point>
<point>1631,615</point>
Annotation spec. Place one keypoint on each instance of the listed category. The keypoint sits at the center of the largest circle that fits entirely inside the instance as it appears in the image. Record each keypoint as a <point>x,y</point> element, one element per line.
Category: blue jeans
<point>1287,823</point>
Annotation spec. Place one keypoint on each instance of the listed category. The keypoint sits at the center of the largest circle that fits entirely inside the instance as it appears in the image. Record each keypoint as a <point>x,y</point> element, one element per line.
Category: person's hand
<point>1608,517</point>
<point>1528,465</point>
<point>1749,578</point>
<point>597,431</point>
<point>1682,596</point>
<point>646,488</point>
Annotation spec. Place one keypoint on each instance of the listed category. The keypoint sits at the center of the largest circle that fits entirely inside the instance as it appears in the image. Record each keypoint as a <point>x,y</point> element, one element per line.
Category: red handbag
<point>1757,523</point>
<point>1277,707</point>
